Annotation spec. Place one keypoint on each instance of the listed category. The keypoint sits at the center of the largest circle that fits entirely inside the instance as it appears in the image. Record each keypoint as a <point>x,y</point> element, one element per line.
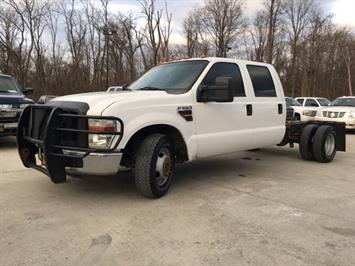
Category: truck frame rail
<point>294,132</point>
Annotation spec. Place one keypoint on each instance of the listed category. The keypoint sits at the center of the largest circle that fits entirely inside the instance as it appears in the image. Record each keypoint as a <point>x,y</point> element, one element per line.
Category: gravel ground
<point>253,208</point>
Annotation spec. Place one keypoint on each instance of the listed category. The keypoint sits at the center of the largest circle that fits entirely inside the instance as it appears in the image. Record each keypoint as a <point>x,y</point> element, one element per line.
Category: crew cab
<point>177,112</point>
<point>12,103</point>
<point>342,110</point>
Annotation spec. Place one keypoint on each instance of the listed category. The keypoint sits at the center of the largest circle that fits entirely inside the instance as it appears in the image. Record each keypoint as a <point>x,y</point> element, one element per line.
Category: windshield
<point>292,102</point>
<point>177,77</point>
<point>9,86</point>
<point>344,102</point>
<point>323,101</point>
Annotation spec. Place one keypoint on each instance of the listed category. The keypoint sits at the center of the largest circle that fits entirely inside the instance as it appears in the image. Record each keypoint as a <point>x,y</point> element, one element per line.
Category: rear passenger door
<point>269,110</point>
<point>223,127</point>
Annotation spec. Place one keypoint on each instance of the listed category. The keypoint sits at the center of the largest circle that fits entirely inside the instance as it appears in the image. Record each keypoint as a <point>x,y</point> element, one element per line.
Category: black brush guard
<point>59,137</point>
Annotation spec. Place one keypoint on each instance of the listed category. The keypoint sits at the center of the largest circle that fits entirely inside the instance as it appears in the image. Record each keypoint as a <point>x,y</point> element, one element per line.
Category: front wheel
<point>154,166</point>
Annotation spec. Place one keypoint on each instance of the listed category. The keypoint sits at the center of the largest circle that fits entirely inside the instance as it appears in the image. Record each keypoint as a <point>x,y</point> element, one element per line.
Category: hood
<point>14,99</point>
<point>99,101</point>
<point>338,109</point>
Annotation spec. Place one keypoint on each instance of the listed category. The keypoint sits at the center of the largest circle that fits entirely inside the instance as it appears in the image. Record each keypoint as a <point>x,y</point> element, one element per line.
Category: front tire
<point>324,144</point>
<point>154,166</point>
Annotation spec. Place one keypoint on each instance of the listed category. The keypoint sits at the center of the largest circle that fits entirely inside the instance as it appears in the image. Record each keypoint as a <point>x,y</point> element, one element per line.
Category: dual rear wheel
<point>318,143</point>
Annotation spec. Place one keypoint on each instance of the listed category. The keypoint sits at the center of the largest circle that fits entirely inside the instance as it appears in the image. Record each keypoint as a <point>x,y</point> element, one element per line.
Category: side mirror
<point>221,91</point>
<point>27,91</point>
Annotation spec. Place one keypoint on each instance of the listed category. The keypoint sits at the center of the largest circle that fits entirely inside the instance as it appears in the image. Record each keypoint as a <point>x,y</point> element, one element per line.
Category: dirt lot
<point>266,207</point>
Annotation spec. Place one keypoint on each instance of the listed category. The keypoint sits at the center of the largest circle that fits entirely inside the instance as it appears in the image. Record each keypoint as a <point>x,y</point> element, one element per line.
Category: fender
<point>133,125</point>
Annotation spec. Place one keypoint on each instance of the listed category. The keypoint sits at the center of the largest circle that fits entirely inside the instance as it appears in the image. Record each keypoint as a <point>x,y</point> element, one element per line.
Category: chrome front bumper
<point>100,164</point>
<point>349,122</point>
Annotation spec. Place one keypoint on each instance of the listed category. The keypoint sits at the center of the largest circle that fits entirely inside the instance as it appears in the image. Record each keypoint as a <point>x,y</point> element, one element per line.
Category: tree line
<point>69,46</point>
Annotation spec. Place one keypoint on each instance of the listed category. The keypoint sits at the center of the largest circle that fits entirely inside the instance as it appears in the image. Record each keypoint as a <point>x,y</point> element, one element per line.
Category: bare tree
<point>298,15</point>
<point>191,32</point>
<point>129,42</point>
<point>153,19</point>
<point>312,55</point>
<point>224,21</point>
<point>274,11</point>
<point>348,64</point>
<point>258,35</point>
<point>9,34</point>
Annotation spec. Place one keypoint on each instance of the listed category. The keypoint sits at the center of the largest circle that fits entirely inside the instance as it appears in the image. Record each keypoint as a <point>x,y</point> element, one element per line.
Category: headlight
<point>104,138</point>
<point>352,115</point>
<point>309,113</point>
<point>23,105</point>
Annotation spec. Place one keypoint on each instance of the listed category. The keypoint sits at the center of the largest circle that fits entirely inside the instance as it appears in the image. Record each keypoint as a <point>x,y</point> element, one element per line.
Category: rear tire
<point>324,144</point>
<point>154,166</point>
<point>306,142</point>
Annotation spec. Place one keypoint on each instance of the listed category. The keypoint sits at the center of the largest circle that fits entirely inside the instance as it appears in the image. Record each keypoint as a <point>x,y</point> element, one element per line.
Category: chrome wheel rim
<point>329,144</point>
<point>163,167</point>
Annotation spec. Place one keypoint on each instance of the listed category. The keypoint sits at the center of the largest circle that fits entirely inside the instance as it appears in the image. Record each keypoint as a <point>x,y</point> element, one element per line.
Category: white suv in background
<point>310,106</point>
<point>341,110</point>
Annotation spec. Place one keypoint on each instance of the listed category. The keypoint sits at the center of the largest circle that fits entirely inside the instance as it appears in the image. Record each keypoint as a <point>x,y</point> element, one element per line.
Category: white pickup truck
<point>175,113</point>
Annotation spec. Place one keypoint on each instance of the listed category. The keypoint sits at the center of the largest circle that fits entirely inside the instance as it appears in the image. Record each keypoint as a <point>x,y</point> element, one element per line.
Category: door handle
<point>280,109</point>
<point>249,109</point>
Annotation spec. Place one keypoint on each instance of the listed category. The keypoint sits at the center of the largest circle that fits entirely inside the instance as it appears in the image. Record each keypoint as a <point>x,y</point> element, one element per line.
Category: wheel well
<point>173,134</point>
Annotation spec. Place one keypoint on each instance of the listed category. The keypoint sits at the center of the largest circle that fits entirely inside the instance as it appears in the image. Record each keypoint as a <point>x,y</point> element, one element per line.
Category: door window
<point>226,70</point>
<point>262,81</point>
<point>300,101</point>
<point>311,103</point>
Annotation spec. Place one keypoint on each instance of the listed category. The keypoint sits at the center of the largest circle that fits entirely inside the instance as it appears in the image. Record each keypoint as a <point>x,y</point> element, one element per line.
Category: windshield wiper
<point>148,88</point>
<point>5,91</point>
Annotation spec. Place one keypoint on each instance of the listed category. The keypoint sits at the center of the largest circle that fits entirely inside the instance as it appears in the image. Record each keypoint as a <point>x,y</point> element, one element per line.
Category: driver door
<point>223,127</point>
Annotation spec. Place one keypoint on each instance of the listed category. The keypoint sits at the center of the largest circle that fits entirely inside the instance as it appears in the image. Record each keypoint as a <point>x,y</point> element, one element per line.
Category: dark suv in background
<point>12,101</point>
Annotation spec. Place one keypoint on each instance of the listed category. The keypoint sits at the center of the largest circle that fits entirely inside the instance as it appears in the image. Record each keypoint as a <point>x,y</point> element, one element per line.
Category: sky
<point>342,10</point>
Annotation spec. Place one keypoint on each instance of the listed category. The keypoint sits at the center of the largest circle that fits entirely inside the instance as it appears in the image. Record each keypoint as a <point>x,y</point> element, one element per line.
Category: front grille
<point>331,114</point>
<point>67,127</point>
<point>38,120</point>
<point>313,113</point>
<point>69,130</point>
<point>57,136</point>
<point>59,129</point>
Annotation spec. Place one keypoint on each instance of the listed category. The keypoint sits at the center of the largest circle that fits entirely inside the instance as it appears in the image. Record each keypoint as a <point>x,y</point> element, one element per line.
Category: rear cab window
<point>262,81</point>
<point>226,70</point>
